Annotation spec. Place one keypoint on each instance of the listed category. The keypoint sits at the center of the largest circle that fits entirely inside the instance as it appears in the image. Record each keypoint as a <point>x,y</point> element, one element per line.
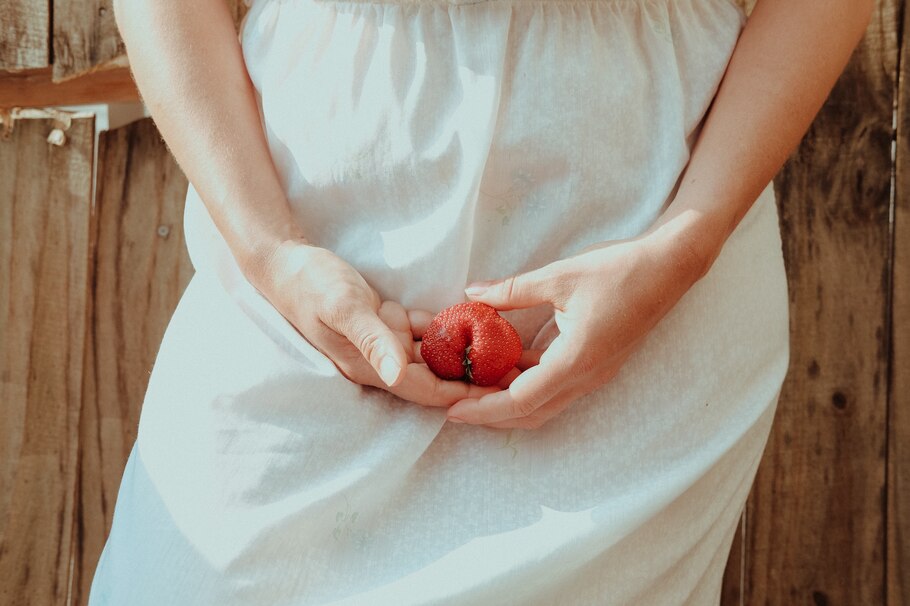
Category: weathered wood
<point>898,560</point>
<point>141,269</point>
<point>816,529</point>
<point>85,37</point>
<point>24,34</point>
<point>732,588</point>
<point>45,205</point>
<point>35,88</point>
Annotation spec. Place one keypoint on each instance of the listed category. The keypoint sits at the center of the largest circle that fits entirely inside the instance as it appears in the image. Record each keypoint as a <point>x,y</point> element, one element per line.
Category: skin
<point>606,298</point>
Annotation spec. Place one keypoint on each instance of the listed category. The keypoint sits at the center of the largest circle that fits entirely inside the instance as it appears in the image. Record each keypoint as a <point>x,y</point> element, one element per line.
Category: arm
<point>188,64</point>
<point>787,59</point>
<point>785,64</point>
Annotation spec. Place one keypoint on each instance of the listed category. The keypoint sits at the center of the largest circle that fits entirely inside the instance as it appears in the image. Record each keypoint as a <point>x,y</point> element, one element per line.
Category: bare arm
<point>187,63</point>
<point>609,296</point>
<point>784,66</point>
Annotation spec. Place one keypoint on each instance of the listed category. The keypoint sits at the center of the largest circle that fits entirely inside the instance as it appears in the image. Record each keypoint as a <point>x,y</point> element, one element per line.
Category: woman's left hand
<point>606,299</point>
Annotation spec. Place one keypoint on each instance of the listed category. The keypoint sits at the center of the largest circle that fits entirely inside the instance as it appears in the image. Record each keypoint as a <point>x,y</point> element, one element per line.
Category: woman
<point>354,166</point>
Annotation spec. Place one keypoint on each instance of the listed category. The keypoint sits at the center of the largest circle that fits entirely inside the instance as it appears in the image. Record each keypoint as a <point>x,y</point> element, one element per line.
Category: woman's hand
<point>370,341</point>
<point>605,299</point>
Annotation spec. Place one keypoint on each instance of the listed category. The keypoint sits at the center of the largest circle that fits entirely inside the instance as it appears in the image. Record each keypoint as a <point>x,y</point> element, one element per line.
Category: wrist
<point>692,239</point>
<point>258,262</point>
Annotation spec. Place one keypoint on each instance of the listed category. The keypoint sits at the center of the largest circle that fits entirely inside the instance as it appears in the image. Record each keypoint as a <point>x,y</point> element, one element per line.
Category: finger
<point>421,386</point>
<point>508,378</point>
<point>395,317</point>
<point>530,390</point>
<point>544,285</point>
<point>547,333</point>
<point>347,359</point>
<point>552,408</point>
<point>529,358</point>
<point>377,342</point>
<point>419,319</point>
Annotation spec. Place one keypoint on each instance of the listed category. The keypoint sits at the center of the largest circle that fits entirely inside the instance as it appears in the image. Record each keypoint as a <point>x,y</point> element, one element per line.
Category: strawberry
<point>470,341</point>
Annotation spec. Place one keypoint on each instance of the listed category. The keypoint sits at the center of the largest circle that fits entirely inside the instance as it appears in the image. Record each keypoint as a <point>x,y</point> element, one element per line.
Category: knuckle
<point>523,407</point>
<point>580,363</point>
<point>436,395</point>
<point>510,287</point>
<point>366,342</point>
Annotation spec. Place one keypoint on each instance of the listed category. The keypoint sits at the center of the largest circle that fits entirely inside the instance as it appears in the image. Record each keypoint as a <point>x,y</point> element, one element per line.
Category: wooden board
<point>141,268</point>
<point>34,88</point>
<point>24,29</point>
<point>86,37</point>
<point>815,528</point>
<point>898,561</point>
<point>45,205</point>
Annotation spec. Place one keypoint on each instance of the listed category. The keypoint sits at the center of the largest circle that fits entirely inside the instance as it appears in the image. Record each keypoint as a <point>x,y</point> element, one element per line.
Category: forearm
<point>784,66</point>
<point>188,65</point>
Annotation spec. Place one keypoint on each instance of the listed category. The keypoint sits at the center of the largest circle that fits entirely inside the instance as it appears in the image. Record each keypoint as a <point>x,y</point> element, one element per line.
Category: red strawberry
<point>471,341</point>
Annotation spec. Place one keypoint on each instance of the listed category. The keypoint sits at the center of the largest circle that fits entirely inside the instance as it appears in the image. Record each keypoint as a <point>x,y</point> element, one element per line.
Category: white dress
<point>431,143</point>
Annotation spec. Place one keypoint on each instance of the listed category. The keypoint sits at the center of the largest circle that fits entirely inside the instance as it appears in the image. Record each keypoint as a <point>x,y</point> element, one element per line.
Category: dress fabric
<point>431,143</point>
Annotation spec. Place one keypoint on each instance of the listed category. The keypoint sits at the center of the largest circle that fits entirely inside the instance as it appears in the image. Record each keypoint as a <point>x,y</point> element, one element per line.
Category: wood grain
<point>85,37</point>
<point>45,205</point>
<point>897,572</point>
<point>816,529</point>
<point>25,34</point>
<point>141,267</point>
<point>35,88</point>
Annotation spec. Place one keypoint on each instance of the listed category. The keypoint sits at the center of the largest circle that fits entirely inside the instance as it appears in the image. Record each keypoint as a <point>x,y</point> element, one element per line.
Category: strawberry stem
<point>466,362</point>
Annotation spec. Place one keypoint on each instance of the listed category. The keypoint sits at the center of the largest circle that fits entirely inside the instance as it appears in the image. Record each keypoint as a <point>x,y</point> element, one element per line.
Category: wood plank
<point>35,88</point>
<point>141,267</point>
<point>85,37</point>
<point>898,560</point>
<point>816,529</point>
<point>25,34</point>
<point>45,205</point>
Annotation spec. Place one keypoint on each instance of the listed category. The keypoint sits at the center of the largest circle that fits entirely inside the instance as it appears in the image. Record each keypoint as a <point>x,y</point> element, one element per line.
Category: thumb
<point>521,290</point>
<point>379,346</point>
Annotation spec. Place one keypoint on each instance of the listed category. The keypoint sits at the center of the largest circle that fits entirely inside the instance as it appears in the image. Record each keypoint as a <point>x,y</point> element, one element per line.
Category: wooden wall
<point>86,293</point>
<point>45,204</point>
<point>65,52</point>
<point>814,527</point>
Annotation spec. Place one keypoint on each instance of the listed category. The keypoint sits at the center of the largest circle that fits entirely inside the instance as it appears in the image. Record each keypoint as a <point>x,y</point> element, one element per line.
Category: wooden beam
<point>45,215</point>
<point>35,88</point>
<point>898,524</point>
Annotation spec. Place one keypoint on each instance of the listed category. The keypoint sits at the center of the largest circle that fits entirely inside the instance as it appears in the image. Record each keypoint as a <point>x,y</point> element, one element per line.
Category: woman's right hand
<point>370,341</point>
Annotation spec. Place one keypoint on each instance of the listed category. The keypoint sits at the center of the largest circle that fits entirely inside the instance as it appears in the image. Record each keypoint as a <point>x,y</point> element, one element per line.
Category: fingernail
<point>477,288</point>
<point>389,370</point>
<point>454,419</point>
